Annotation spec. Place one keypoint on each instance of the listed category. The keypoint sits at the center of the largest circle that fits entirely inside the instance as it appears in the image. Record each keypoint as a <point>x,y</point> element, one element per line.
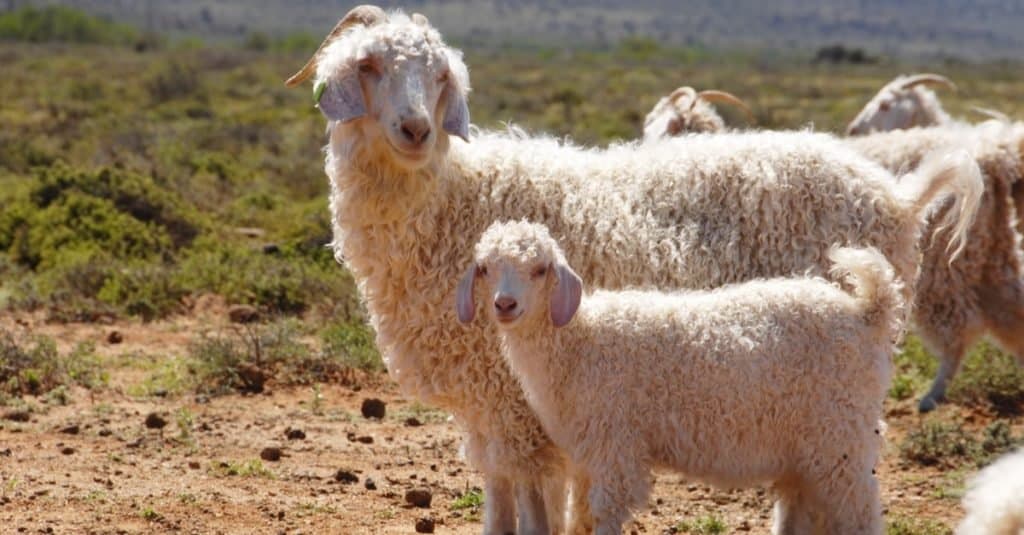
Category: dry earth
<point>93,465</point>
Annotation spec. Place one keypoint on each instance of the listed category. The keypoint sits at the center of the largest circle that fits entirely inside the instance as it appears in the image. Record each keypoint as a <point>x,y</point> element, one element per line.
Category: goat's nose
<point>415,129</point>
<point>505,303</point>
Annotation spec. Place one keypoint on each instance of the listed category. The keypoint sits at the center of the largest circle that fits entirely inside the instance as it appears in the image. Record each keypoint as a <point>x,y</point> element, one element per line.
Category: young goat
<point>778,380</point>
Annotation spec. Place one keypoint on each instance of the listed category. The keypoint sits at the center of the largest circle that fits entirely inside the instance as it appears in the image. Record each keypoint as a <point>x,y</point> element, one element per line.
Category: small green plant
<point>186,498</point>
<point>35,366</point>
<point>938,443</point>
<point>250,468</point>
<point>900,525</point>
<point>705,525</point>
<point>902,387</point>
<point>990,377</point>
<point>150,514</point>
<point>184,420</point>
<point>352,344</point>
<point>471,499</point>
<point>316,402</point>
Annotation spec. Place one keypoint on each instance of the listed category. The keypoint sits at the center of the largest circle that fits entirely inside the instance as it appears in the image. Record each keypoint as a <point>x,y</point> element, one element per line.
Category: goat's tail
<point>954,173</point>
<point>875,286</point>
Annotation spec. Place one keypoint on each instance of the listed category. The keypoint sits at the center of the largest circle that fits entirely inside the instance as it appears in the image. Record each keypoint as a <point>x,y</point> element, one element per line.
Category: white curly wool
<point>995,499</point>
<point>698,213</point>
<point>981,291</point>
<point>776,381</point>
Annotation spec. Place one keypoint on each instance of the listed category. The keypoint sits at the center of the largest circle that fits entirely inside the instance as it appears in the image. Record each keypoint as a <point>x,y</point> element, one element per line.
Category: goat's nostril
<point>415,130</point>
<point>505,304</point>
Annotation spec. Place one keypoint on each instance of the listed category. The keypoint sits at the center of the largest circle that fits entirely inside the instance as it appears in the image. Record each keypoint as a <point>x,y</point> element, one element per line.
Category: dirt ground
<point>94,466</point>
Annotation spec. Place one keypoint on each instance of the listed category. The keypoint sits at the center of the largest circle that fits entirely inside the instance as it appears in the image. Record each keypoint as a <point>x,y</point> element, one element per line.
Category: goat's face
<point>901,104</point>
<point>394,81</point>
<point>687,111</point>
<point>523,277</point>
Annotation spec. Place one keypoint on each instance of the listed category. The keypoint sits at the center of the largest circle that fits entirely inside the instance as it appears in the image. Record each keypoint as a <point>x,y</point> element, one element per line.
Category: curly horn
<point>684,91</point>
<point>713,95</point>
<point>993,114</point>
<point>366,15</point>
<point>928,79</point>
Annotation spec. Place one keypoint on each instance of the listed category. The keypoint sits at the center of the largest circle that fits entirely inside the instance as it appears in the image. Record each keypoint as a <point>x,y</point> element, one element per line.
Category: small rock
<point>115,337</point>
<point>412,421</point>
<point>294,434</point>
<point>271,248</point>
<point>370,484</point>
<point>425,525</point>
<point>67,450</point>
<point>271,454</point>
<point>374,408</point>
<point>104,432</point>
<point>155,421</point>
<point>6,452</point>
<point>70,430</point>
<point>366,439</point>
<point>346,477</point>
<point>243,314</point>
<point>419,497</point>
<point>17,416</point>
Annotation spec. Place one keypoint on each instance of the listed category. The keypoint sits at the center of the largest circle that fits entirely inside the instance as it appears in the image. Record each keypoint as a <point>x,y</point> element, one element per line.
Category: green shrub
<point>57,23</point>
<point>352,343</point>
<point>34,366</point>
<point>990,377</point>
<point>938,443</point>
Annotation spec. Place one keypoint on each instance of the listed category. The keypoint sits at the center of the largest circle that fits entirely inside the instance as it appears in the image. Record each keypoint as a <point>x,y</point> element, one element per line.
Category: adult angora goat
<point>408,201</point>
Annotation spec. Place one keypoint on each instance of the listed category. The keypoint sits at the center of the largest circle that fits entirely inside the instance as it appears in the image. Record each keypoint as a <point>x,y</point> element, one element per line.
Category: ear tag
<point>318,91</point>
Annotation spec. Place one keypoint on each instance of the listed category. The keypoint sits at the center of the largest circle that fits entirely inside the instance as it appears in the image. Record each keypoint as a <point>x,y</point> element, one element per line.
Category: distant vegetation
<point>56,23</point>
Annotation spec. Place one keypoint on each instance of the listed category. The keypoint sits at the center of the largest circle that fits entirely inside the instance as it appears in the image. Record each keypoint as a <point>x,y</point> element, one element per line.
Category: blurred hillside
<point>976,30</point>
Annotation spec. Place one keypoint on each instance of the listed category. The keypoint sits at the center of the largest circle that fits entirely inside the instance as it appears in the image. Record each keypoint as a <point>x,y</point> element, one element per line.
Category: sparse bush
<point>938,443</point>
<point>705,525</point>
<point>352,344</point>
<point>990,377</point>
<point>174,80</point>
<point>35,366</point>
<point>915,526</point>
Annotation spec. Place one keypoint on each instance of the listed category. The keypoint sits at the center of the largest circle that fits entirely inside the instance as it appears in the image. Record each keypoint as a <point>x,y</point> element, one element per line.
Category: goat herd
<point>752,284</point>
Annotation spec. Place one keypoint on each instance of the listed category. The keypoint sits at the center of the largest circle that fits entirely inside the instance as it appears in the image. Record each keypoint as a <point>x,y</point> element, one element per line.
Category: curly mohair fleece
<point>697,213</point>
<point>981,291</point>
<point>995,499</point>
<point>778,381</point>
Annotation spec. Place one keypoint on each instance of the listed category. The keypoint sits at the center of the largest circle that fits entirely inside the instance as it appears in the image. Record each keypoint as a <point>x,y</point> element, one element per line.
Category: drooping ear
<point>566,295</point>
<point>456,113</point>
<point>342,99</point>
<point>465,307</point>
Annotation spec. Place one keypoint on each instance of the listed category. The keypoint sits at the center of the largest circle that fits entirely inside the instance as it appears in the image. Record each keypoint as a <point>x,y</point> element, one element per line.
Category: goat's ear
<point>566,295</point>
<point>456,113</point>
<point>341,100</point>
<point>465,307</point>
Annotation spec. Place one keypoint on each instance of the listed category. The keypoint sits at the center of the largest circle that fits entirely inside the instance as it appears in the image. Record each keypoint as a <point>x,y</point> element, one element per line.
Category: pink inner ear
<point>565,296</point>
<point>465,307</point>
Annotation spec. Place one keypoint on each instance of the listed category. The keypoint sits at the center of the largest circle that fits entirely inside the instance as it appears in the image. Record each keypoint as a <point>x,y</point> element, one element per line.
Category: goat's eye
<point>884,106</point>
<point>443,79</point>
<point>539,271</point>
<point>366,67</point>
<point>482,270</point>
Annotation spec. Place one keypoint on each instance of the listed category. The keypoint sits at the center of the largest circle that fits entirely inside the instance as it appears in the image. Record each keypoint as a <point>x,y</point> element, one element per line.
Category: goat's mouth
<point>411,157</point>
<point>507,318</point>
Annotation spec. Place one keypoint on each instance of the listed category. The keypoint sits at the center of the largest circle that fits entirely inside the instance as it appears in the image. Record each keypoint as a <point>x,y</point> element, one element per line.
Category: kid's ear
<point>566,295</point>
<point>465,308</point>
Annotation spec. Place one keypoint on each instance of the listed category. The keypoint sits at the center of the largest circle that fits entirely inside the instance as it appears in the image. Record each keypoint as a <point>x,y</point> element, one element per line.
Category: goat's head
<point>903,103</point>
<point>524,276</point>
<point>686,110</point>
<point>391,77</point>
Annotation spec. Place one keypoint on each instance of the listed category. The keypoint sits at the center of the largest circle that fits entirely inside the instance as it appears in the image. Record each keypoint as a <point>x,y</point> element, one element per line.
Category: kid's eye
<point>482,270</point>
<point>540,271</point>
